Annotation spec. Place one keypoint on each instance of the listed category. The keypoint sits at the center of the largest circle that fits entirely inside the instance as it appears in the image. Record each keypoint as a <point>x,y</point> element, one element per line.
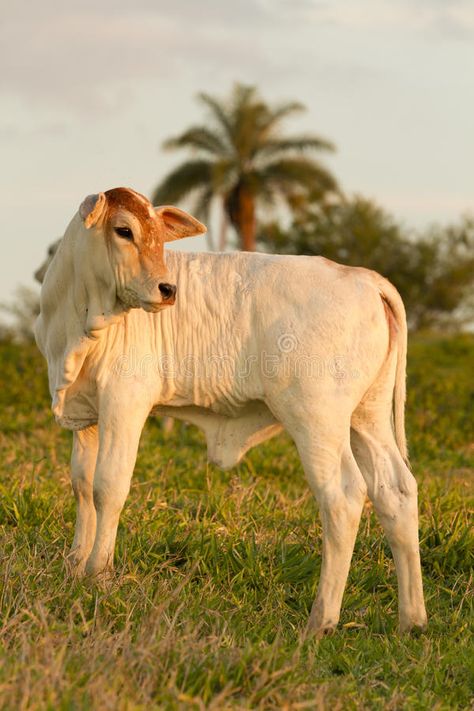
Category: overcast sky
<point>89,91</point>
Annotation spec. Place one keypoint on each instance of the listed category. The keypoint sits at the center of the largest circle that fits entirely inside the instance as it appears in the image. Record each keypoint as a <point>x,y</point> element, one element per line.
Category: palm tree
<point>243,160</point>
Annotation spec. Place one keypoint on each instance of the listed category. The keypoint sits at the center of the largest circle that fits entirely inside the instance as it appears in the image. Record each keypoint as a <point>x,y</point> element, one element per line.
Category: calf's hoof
<point>414,628</point>
<point>76,563</point>
<point>321,622</point>
<point>318,630</point>
<point>99,571</point>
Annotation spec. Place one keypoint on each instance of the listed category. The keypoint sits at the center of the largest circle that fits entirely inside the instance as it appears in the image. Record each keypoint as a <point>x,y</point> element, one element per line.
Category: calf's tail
<point>398,338</point>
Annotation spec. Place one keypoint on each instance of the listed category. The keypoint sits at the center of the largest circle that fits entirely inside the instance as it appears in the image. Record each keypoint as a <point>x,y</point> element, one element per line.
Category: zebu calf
<point>255,343</point>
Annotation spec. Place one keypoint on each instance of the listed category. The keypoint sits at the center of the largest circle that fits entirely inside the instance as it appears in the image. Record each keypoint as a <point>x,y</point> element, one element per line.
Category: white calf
<point>254,344</point>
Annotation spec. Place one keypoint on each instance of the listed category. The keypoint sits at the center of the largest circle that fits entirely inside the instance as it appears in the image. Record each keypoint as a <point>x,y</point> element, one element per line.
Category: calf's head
<point>123,241</point>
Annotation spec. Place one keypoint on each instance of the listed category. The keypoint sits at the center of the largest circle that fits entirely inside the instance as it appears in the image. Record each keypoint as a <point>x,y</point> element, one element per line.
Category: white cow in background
<point>40,273</point>
<point>255,343</point>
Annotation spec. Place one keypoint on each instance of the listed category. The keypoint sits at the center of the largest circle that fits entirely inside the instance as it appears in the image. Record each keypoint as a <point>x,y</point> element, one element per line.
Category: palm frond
<point>273,147</point>
<point>245,114</point>
<point>243,94</point>
<point>289,174</point>
<point>247,122</point>
<point>225,173</point>
<point>218,111</point>
<point>278,113</point>
<point>203,202</point>
<point>183,180</point>
<point>199,138</point>
<point>243,101</point>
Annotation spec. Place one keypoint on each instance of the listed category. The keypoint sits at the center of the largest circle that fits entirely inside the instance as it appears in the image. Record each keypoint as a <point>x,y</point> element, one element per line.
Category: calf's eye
<point>124,232</point>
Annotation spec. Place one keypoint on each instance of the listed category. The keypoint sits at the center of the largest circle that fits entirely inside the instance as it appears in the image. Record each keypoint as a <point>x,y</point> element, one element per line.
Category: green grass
<point>216,571</point>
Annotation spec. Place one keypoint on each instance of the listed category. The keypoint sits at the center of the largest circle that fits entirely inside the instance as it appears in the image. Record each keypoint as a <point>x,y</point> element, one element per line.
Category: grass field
<point>216,572</point>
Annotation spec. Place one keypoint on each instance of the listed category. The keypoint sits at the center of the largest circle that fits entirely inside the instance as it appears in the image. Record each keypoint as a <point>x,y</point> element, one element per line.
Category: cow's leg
<point>167,425</point>
<point>340,491</point>
<point>120,424</point>
<point>393,491</point>
<point>83,461</point>
<point>340,500</point>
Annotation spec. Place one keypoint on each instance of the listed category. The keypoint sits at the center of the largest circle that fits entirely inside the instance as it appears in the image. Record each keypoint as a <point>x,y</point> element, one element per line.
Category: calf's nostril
<point>167,290</point>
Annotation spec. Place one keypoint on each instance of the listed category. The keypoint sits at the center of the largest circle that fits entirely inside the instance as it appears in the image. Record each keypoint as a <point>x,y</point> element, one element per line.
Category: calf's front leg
<point>83,461</point>
<point>120,426</point>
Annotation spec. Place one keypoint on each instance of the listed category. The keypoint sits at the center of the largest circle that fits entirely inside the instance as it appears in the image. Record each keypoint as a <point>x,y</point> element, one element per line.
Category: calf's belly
<point>228,438</point>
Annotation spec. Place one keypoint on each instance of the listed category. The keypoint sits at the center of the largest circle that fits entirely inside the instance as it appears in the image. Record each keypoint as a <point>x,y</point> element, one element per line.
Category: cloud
<point>452,18</point>
<point>12,130</point>
<point>84,58</point>
<point>88,58</point>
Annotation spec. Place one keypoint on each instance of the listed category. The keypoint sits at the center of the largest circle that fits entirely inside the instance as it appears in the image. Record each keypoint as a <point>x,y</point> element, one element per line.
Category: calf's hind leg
<point>393,491</point>
<point>340,491</point>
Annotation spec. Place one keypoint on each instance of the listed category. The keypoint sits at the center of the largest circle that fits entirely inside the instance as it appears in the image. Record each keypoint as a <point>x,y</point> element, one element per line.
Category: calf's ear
<point>91,209</point>
<point>178,223</point>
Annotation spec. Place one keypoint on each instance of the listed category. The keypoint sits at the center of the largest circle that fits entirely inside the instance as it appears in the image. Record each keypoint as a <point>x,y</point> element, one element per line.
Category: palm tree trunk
<point>247,226</point>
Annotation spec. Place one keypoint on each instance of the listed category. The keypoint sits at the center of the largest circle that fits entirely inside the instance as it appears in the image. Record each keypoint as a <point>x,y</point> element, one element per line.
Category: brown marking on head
<point>128,199</point>
<point>139,206</point>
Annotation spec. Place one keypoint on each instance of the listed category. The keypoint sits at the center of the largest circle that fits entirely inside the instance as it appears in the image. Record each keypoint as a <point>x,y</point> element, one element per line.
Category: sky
<point>90,90</point>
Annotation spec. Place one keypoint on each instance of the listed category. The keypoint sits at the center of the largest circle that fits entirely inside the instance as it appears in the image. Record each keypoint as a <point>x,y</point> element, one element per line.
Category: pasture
<point>216,571</point>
